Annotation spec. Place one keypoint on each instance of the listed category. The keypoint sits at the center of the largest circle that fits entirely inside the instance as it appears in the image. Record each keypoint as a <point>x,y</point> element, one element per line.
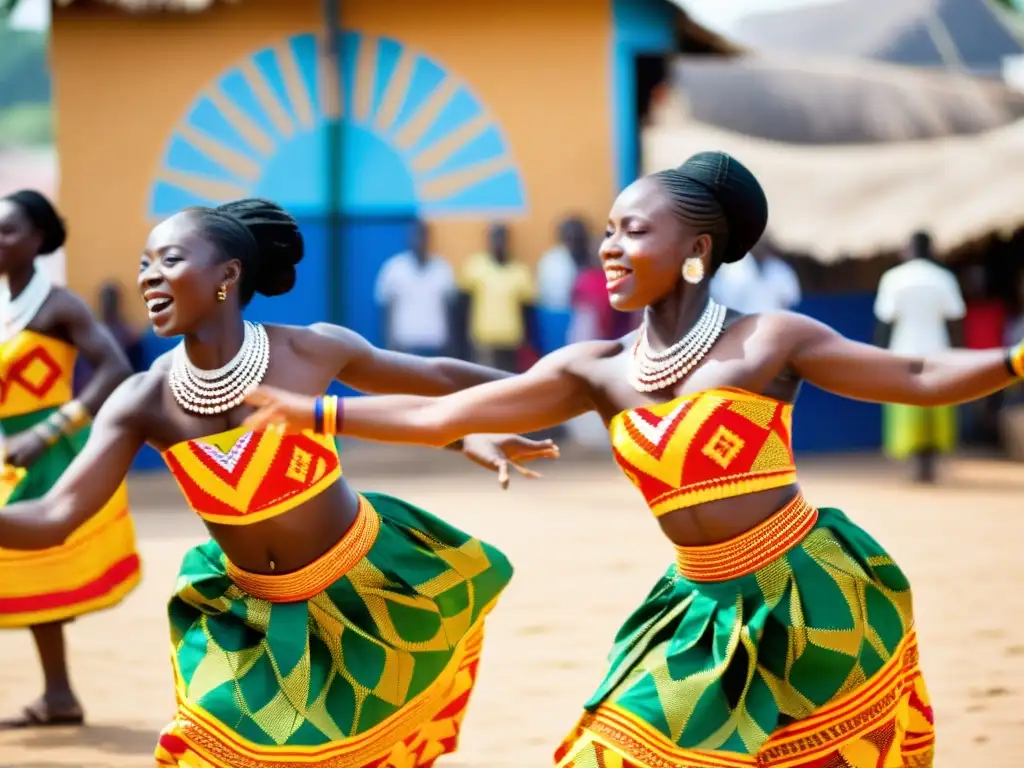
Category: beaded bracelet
<point>318,415</point>
<point>330,415</point>
<point>325,415</point>
<point>1015,360</point>
<point>69,419</point>
<point>48,433</point>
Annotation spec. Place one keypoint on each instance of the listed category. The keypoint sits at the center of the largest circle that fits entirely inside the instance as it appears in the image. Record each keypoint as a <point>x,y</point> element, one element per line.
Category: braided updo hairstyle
<point>262,236</point>
<point>717,195</point>
<point>44,217</point>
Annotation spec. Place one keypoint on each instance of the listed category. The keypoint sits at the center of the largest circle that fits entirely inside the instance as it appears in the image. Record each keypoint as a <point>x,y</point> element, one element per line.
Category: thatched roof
<point>854,155</point>
<point>864,199</point>
<point>972,35</point>
<point>820,100</point>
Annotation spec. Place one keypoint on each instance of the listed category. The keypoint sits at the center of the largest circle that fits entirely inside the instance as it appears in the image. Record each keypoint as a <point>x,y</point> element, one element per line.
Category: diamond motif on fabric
<point>226,460</point>
<point>723,447</point>
<point>36,371</point>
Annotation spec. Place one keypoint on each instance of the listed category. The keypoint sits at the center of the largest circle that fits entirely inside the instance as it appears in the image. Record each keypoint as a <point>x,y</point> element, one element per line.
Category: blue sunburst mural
<point>415,137</point>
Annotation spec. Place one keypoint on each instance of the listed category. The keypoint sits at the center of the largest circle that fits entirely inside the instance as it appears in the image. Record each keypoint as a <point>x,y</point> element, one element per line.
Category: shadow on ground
<point>111,739</point>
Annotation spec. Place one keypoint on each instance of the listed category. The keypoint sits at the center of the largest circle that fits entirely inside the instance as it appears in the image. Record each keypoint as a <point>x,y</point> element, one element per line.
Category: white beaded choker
<point>208,392</point>
<point>652,371</point>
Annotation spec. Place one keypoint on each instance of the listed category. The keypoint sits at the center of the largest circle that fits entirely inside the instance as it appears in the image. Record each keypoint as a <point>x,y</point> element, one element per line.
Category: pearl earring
<point>693,270</point>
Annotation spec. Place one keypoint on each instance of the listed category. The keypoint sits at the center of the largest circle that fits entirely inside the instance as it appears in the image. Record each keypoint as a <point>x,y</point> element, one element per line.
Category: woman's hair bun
<point>279,243</point>
<point>739,194</point>
<point>44,217</point>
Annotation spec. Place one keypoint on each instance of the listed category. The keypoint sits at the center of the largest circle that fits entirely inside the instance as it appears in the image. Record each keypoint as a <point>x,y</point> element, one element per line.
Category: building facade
<point>460,113</point>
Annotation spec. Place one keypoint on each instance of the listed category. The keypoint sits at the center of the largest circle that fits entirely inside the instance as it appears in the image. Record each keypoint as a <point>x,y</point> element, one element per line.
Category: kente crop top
<point>36,372</point>
<point>240,477</point>
<point>704,447</point>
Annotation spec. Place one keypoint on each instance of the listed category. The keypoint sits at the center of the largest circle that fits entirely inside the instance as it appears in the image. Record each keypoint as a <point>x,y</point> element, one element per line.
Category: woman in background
<point>44,330</point>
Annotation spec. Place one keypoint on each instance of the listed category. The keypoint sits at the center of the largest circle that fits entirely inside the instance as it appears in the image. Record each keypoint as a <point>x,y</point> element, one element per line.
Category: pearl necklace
<point>652,371</point>
<point>214,391</point>
<point>17,313</point>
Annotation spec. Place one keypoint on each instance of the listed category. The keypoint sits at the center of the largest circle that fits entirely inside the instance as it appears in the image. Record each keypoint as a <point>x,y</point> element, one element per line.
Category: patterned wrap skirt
<point>791,646</point>
<point>96,568</point>
<point>366,658</point>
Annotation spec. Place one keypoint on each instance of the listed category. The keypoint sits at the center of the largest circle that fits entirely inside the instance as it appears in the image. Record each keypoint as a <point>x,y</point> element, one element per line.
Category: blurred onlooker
<point>556,277</point>
<point>557,268</point>
<point>984,327</point>
<point>501,294</point>
<point>111,315</point>
<point>915,306</point>
<point>592,314</point>
<point>986,316</point>
<point>416,288</point>
<point>759,282</point>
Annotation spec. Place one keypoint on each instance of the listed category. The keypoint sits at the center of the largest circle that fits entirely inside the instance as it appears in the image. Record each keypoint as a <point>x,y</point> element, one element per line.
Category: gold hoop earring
<point>222,293</point>
<point>693,270</point>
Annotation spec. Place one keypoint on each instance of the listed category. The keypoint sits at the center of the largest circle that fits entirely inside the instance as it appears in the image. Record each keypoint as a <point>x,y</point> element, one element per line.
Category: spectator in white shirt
<point>916,303</point>
<point>759,282</point>
<point>416,290</point>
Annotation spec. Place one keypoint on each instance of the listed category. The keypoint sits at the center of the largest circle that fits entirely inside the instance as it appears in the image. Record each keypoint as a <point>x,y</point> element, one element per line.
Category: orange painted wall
<point>541,68</point>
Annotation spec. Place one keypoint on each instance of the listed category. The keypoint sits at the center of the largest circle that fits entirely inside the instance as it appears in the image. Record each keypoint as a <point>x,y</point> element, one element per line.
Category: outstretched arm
<point>370,369</point>
<point>86,485</point>
<point>863,372</point>
<point>546,395</point>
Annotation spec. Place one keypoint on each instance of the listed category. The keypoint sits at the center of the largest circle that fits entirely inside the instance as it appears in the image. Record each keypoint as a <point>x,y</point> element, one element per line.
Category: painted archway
<point>416,138</point>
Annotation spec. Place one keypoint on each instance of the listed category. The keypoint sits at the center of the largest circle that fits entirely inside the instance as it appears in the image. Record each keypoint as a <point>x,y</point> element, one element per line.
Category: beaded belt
<point>314,578</point>
<point>752,550</point>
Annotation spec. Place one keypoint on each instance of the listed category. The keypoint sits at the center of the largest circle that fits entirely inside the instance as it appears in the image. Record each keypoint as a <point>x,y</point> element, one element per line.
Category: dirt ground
<point>586,553</point>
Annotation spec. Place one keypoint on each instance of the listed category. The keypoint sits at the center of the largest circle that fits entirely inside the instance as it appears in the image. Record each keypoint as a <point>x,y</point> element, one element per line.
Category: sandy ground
<point>586,553</point>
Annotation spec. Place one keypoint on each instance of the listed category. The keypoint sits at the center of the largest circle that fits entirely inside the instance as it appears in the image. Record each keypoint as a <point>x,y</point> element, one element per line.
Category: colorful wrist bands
<point>1015,360</point>
<point>325,415</point>
<point>318,415</point>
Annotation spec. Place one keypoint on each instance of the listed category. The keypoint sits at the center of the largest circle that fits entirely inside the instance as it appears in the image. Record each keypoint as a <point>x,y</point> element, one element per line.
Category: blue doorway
<point>366,243</point>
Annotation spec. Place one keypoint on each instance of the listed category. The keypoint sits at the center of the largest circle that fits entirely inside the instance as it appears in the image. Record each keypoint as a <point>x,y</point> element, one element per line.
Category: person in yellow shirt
<point>501,293</point>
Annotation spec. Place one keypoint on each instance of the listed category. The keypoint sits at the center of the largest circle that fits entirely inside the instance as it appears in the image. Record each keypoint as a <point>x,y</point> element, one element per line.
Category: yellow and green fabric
<point>910,429</point>
<point>801,659</point>
<point>365,659</point>
<point>99,564</point>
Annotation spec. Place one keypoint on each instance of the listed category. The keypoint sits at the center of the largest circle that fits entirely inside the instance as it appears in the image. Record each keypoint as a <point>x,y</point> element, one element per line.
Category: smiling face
<point>645,246</point>
<point>180,273</point>
<point>20,241</point>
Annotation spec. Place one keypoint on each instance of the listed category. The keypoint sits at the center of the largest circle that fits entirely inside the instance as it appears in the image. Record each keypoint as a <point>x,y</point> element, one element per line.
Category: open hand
<point>280,409</point>
<point>499,452</point>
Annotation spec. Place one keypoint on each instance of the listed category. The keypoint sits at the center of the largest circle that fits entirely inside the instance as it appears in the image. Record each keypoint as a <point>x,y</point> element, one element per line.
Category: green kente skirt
<point>366,657</point>
<point>790,646</point>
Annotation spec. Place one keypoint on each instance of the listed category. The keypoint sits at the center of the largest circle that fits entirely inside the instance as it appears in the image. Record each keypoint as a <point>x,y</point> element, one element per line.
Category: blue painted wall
<point>823,422</point>
<point>229,144</point>
<point>640,27</point>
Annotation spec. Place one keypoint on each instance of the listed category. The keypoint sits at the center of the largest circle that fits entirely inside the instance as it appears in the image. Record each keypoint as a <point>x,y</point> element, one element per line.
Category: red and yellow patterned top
<point>704,447</point>
<point>240,477</point>
<point>36,372</point>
